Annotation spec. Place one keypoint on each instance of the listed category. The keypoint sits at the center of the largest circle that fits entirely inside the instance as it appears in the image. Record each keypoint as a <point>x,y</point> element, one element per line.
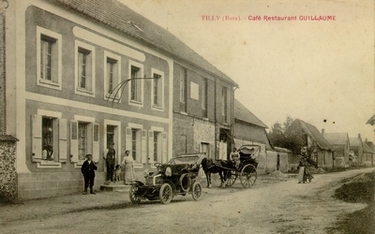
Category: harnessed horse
<point>218,166</point>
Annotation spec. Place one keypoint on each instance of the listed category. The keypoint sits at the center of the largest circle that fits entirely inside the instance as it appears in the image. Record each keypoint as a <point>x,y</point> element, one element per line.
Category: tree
<point>278,137</point>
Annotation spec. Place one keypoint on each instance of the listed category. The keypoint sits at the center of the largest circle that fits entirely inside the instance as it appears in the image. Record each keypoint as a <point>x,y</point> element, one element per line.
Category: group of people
<point>89,167</point>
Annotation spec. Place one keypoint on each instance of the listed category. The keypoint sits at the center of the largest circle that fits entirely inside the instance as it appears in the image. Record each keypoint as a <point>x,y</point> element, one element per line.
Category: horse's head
<point>206,163</point>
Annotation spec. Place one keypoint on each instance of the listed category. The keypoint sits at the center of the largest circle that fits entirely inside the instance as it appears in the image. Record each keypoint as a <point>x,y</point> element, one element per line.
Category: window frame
<point>79,47</point>
<point>183,89</point>
<point>116,80</point>
<point>139,82</point>
<point>60,142</point>
<point>224,108</point>
<point>57,55</point>
<point>160,104</point>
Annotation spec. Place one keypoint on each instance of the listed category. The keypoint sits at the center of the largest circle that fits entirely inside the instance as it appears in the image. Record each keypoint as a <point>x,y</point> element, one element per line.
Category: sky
<point>321,72</point>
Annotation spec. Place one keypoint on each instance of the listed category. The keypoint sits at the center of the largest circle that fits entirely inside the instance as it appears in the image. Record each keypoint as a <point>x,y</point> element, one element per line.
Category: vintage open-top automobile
<point>177,177</point>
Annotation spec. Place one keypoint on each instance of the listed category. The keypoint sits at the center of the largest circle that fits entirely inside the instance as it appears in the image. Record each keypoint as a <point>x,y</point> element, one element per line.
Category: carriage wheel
<point>231,179</point>
<point>196,191</point>
<point>133,194</point>
<point>166,193</point>
<point>248,176</point>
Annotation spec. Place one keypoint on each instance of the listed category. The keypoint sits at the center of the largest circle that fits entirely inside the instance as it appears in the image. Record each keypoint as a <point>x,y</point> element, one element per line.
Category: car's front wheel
<point>166,193</point>
<point>133,194</point>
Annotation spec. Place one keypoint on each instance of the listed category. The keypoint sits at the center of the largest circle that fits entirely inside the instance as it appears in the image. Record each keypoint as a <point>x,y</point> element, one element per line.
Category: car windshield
<point>184,160</point>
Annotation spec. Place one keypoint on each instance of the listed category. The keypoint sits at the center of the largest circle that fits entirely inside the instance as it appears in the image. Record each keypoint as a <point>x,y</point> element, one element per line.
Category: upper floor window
<point>136,83</point>
<point>204,98</point>
<point>112,71</point>
<point>85,70</point>
<point>183,88</point>
<point>224,102</point>
<point>157,89</point>
<point>49,61</point>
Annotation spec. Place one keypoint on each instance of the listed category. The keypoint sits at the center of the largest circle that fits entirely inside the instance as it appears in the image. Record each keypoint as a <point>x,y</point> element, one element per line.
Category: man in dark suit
<point>88,170</point>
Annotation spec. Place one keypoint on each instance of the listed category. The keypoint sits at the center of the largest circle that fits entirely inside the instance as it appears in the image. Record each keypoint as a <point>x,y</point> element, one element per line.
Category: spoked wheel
<point>133,194</point>
<point>166,193</point>
<point>248,176</point>
<point>196,190</point>
<point>231,179</point>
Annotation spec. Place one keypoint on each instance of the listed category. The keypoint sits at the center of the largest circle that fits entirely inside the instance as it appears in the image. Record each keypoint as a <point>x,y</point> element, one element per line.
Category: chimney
<point>322,131</point>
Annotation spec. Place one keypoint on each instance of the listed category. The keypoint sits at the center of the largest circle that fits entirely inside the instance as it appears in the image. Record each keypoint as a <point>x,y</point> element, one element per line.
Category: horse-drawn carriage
<point>246,170</point>
<point>177,177</point>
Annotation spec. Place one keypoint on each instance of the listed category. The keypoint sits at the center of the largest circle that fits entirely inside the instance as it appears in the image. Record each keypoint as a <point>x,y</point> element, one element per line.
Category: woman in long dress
<point>128,163</point>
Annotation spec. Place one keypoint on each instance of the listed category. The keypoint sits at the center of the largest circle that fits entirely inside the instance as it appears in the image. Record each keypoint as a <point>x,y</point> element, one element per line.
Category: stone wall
<point>8,175</point>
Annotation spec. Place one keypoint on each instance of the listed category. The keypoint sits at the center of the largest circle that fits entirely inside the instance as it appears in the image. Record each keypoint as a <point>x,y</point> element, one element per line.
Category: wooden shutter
<point>95,150</point>
<point>74,141</point>
<point>151,146</point>
<point>36,121</point>
<point>144,147</point>
<point>63,140</point>
<point>164,148</point>
<point>128,139</point>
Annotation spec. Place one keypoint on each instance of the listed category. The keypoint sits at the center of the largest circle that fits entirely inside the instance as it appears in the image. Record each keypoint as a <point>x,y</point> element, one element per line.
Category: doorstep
<point>115,186</point>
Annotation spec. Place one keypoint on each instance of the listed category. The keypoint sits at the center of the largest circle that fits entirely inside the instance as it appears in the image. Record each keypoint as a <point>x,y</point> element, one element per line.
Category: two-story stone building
<point>79,75</point>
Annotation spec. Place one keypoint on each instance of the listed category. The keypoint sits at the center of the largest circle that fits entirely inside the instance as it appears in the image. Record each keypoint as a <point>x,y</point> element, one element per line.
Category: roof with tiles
<point>298,125</point>
<point>120,17</point>
<point>355,141</point>
<point>243,114</point>
<point>337,138</point>
<point>367,148</point>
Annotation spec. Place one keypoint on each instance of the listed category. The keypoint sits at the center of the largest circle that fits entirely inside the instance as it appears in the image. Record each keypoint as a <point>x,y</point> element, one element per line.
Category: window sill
<point>159,108</point>
<point>48,164</point>
<point>84,92</point>
<point>138,165</point>
<point>49,84</point>
<point>111,98</point>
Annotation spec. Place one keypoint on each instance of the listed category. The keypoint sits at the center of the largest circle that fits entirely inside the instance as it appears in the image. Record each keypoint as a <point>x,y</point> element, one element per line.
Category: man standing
<point>110,158</point>
<point>88,170</point>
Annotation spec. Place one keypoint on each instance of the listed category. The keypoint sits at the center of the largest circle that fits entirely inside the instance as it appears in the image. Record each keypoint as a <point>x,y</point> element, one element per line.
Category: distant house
<point>323,153</point>
<point>356,147</point>
<point>368,153</point>
<point>341,145</point>
<point>249,129</point>
<point>279,159</point>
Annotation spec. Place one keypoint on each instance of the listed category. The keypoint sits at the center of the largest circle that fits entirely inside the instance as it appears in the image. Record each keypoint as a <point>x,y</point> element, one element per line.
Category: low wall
<point>8,175</point>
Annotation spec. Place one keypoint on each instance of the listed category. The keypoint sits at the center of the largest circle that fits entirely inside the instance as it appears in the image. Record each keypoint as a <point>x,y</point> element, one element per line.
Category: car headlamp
<point>168,171</point>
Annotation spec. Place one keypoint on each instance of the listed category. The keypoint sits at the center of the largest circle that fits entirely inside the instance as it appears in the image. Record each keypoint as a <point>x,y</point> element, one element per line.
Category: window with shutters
<point>85,69</point>
<point>84,139</point>
<point>49,138</point>
<point>157,146</point>
<point>49,58</point>
<point>135,143</point>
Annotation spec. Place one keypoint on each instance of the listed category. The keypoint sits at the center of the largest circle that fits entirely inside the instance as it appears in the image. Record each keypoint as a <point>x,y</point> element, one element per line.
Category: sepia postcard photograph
<point>187,116</point>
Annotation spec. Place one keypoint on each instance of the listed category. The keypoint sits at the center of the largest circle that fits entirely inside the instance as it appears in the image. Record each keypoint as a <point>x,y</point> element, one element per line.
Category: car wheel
<point>197,191</point>
<point>133,194</point>
<point>166,193</point>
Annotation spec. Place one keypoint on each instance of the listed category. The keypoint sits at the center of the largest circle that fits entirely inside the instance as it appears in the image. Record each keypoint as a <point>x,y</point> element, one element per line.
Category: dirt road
<point>283,207</point>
